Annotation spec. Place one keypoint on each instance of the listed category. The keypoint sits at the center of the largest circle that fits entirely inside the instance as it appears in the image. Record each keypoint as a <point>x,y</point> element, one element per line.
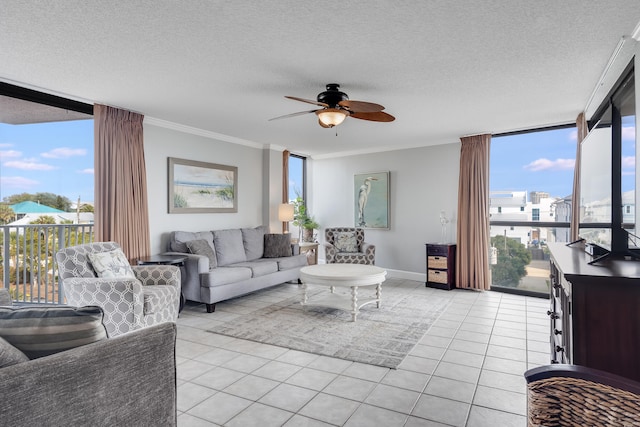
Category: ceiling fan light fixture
<point>332,116</point>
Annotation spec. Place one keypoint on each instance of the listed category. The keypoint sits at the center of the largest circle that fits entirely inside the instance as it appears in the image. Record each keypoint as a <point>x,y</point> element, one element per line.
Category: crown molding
<point>201,132</point>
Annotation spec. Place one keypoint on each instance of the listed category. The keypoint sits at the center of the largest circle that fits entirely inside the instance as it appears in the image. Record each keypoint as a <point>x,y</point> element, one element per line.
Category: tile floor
<point>466,371</point>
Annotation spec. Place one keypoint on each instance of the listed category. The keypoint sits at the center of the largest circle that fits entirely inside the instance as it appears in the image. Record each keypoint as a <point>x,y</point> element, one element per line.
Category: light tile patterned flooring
<point>466,371</point>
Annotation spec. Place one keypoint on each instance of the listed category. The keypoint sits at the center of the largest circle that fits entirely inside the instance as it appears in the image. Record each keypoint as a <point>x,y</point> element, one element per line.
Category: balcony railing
<point>28,267</point>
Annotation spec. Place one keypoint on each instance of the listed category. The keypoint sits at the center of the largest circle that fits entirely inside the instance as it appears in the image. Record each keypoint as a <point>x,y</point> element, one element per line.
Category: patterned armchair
<point>346,245</point>
<point>152,297</point>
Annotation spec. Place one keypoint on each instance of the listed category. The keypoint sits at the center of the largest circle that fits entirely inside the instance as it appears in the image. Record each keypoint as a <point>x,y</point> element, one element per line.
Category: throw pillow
<point>346,241</point>
<point>111,264</point>
<point>9,355</point>
<point>40,331</point>
<point>180,238</point>
<point>201,247</point>
<point>277,245</point>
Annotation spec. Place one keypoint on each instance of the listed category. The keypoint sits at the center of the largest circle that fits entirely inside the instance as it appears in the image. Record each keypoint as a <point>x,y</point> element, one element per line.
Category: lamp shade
<point>285,212</point>
<point>331,116</point>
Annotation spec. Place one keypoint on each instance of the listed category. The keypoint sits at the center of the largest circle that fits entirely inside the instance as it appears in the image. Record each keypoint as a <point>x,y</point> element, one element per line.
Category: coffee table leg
<point>379,295</point>
<point>304,294</point>
<point>354,302</point>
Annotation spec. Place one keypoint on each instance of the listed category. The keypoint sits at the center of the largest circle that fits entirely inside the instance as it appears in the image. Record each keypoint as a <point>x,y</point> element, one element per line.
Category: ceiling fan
<point>336,107</point>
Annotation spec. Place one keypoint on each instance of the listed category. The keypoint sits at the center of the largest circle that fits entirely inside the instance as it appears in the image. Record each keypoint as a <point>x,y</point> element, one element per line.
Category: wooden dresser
<point>595,311</point>
<point>441,265</point>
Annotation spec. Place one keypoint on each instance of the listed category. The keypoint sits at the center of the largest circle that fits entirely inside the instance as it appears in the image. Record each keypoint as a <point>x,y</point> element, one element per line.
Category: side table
<point>176,260</point>
<point>310,248</point>
<point>441,266</point>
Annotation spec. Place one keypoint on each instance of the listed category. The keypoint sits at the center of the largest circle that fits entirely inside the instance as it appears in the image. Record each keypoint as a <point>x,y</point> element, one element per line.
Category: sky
<point>544,161</point>
<point>47,157</point>
<point>58,158</point>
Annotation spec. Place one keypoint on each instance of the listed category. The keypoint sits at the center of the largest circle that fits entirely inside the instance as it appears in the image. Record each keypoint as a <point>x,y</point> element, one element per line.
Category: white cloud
<point>64,153</point>
<point>628,162</point>
<point>29,165</point>
<point>10,154</point>
<point>5,145</point>
<point>628,133</point>
<point>17,182</point>
<point>550,165</point>
<point>88,171</point>
<point>573,135</point>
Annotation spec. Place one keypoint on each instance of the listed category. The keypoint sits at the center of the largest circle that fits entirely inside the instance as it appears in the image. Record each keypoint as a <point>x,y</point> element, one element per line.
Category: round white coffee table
<point>346,276</point>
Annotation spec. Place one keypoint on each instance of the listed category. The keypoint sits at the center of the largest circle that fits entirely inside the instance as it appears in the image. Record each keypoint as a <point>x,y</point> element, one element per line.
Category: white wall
<point>161,143</point>
<point>423,182</point>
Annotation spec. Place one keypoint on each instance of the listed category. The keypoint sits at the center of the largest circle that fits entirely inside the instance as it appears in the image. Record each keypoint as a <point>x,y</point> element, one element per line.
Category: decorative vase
<point>307,235</point>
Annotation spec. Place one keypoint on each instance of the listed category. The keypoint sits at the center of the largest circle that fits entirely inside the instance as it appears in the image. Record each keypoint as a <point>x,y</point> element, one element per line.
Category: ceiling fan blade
<point>361,106</point>
<point>322,124</point>
<point>379,116</point>
<point>308,101</point>
<point>286,116</point>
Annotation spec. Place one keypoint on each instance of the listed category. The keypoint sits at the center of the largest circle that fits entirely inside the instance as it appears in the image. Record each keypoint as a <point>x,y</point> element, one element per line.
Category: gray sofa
<point>234,262</point>
<point>126,380</point>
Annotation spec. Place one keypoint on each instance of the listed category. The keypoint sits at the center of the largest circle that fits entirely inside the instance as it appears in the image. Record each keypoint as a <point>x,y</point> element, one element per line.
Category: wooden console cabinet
<point>595,311</point>
<point>441,266</point>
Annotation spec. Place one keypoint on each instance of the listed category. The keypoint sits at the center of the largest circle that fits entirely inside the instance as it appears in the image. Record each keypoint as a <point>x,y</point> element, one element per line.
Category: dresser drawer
<point>437,262</point>
<point>437,276</point>
<point>437,250</point>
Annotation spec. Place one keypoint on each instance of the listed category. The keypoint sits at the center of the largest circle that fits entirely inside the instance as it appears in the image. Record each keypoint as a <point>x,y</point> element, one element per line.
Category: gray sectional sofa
<point>224,264</point>
<point>129,380</point>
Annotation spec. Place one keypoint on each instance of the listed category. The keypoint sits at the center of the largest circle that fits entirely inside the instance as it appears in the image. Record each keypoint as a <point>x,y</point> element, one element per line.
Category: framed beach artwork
<point>371,200</point>
<point>199,187</point>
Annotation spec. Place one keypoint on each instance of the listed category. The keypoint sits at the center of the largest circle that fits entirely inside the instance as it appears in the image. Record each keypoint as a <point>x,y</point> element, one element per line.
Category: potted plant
<point>301,219</point>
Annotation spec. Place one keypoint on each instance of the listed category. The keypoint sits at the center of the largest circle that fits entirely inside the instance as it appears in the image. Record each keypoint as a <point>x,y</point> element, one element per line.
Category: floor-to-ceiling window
<point>297,178</point>
<point>531,179</point>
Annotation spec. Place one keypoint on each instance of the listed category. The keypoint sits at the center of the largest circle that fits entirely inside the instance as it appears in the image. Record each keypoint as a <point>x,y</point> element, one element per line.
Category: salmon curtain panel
<point>472,267</point>
<point>285,184</point>
<point>121,211</point>
<point>583,130</point>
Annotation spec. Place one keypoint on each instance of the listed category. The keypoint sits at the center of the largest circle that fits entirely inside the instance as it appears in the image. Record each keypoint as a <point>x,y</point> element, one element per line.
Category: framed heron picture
<point>371,200</point>
<point>199,187</point>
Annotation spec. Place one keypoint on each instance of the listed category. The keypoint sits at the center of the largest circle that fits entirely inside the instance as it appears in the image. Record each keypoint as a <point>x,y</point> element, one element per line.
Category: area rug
<point>380,336</point>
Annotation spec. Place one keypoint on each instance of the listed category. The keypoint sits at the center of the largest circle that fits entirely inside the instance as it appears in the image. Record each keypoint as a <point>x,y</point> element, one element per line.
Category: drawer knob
<point>557,332</point>
<point>559,349</point>
<point>553,314</point>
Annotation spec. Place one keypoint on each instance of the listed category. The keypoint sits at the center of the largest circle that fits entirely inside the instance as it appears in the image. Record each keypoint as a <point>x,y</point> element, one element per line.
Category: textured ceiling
<point>444,69</point>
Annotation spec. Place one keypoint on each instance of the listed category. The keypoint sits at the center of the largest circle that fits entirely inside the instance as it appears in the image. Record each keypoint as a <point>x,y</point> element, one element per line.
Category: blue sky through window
<point>47,157</point>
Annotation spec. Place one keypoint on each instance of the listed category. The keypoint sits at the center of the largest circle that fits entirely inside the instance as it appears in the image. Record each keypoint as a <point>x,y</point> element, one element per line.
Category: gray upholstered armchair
<point>346,245</point>
<point>129,303</point>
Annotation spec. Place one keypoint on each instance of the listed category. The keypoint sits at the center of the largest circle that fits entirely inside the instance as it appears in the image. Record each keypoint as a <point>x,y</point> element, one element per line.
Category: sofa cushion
<point>224,276</point>
<point>288,263</point>
<point>277,245</point>
<point>111,264</point>
<point>253,240</point>
<point>179,239</point>
<point>228,246</point>
<point>9,355</point>
<point>345,241</point>
<point>260,267</point>
<point>39,331</point>
<point>202,247</point>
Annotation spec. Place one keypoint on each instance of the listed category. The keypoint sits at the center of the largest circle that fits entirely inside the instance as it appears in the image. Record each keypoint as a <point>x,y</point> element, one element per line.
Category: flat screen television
<point>602,196</point>
<point>596,199</point>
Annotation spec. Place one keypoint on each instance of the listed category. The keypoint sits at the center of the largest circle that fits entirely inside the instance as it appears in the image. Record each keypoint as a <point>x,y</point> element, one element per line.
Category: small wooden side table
<point>441,266</point>
<point>176,260</point>
<point>310,248</point>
